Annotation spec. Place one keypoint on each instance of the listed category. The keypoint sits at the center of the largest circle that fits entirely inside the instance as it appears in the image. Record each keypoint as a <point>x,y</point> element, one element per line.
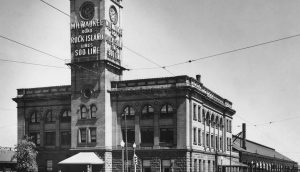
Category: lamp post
<point>122,146</point>
<point>134,156</point>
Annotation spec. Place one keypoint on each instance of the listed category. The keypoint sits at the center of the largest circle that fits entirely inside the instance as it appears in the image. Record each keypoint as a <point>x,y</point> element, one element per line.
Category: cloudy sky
<point>262,82</point>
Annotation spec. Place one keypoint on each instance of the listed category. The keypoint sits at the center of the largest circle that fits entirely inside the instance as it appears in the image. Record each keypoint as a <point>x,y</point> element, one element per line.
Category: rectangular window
<point>204,167</point>
<point>195,165</point>
<point>200,166</point>
<point>36,138</point>
<point>146,166</point>
<point>65,137</point>
<point>199,113</point>
<point>195,112</point>
<point>199,136</point>
<point>217,143</point>
<point>207,139</point>
<point>195,136</point>
<point>49,164</point>
<point>93,135</point>
<point>50,138</point>
<point>221,143</point>
<point>166,166</point>
<point>83,135</point>
<point>212,141</point>
<point>147,136</point>
<point>203,138</point>
<point>230,126</point>
<point>130,135</point>
<point>166,135</point>
<point>208,166</point>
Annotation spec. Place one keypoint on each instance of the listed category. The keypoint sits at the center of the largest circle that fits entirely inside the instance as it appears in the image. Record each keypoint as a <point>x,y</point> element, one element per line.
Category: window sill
<point>86,144</point>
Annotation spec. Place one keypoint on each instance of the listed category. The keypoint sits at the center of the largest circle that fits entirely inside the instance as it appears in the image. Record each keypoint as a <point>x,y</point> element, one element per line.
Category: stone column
<point>137,128</point>
<point>108,161</point>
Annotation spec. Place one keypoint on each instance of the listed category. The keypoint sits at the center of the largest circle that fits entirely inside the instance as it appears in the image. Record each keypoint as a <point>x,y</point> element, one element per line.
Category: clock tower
<point>96,50</point>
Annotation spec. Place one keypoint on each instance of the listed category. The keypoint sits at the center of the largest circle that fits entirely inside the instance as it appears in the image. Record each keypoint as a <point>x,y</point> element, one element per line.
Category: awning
<point>225,161</point>
<point>84,158</point>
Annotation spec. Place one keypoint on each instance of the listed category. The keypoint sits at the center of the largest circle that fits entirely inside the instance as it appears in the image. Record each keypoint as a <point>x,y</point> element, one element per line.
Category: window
<point>82,135</point>
<point>195,112</point>
<point>83,112</point>
<point>166,135</point>
<point>203,116</point>
<point>199,136</point>
<point>129,113</point>
<point>230,126</point>
<point>130,135</point>
<point>208,166</point>
<point>49,117</point>
<point>49,164</point>
<point>34,118</point>
<point>200,166</point>
<point>212,121</point>
<point>93,111</point>
<point>195,136</point>
<point>35,138</point>
<point>66,116</point>
<point>195,165</point>
<point>221,143</point>
<point>166,166</point>
<point>204,169</point>
<point>147,136</point>
<point>146,166</point>
<point>199,113</point>
<point>207,119</point>
<point>207,139</point>
<point>212,141</point>
<point>203,138</point>
<point>49,138</point>
<point>93,135</point>
<point>147,112</point>
<point>65,137</point>
<point>217,143</point>
<point>166,111</point>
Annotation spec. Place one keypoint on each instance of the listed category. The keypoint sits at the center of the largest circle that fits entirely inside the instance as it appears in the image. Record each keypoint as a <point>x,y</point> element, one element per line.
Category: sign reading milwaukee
<point>86,37</point>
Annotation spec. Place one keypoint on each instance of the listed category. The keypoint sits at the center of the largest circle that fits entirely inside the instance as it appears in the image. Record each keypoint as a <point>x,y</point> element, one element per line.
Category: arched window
<point>34,118</point>
<point>83,112</point>
<point>49,117</point>
<point>166,111</point>
<point>147,112</point>
<point>66,116</point>
<point>93,111</point>
<point>129,113</point>
<point>217,122</point>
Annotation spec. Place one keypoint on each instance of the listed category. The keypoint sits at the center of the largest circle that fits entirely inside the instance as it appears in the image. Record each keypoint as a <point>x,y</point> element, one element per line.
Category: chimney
<point>198,78</point>
<point>244,136</point>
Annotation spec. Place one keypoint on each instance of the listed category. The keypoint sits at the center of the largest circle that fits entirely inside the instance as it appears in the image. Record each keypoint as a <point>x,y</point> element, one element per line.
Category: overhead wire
<point>29,63</point>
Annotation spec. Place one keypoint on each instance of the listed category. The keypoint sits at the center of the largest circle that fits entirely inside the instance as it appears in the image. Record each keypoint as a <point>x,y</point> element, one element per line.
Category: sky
<point>262,82</point>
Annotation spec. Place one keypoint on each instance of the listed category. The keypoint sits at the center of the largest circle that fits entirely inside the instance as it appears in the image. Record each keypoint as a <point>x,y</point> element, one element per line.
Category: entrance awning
<point>88,158</point>
<point>225,161</point>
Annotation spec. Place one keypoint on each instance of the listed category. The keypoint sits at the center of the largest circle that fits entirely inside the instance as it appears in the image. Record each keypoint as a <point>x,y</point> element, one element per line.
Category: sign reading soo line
<point>86,38</point>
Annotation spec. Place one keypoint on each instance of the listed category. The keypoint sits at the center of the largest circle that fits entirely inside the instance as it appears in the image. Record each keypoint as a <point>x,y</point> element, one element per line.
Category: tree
<point>26,155</point>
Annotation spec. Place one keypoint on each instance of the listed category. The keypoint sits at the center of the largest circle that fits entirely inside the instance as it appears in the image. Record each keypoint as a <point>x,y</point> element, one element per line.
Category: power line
<point>55,8</point>
<point>30,47</point>
<point>151,61</point>
<point>29,63</point>
<point>43,52</point>
<point>222,53</point>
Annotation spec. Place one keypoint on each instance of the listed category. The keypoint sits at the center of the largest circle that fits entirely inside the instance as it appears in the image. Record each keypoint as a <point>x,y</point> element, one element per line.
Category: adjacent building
<point>259,157</point>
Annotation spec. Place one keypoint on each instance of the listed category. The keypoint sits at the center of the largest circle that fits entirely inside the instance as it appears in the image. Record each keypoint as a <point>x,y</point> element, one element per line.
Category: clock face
<point>87,10</point>
<point>113,15</point>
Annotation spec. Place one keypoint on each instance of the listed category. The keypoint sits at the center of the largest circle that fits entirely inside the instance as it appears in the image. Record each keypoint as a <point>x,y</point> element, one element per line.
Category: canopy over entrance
<point>83,158</point>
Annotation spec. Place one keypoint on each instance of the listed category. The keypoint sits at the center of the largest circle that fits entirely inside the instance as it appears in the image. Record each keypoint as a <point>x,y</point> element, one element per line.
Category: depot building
<point>99,122</point>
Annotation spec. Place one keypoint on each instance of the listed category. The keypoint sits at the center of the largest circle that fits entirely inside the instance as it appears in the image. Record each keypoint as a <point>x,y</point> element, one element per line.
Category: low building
<point>260,157</point>
<point>7,163</point>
